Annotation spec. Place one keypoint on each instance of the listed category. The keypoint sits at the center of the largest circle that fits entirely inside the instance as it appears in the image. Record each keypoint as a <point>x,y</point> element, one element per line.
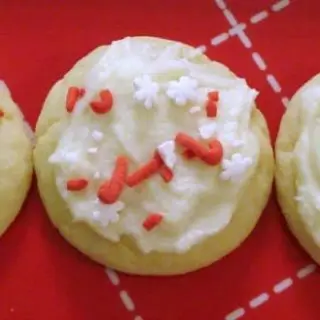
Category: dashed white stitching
<point>126,300</point>
<point>282,285</point>
<point>236,314</point>
<point>239,31</point>
<point>230,17</point>
<point>201,49</point>
<point>124,295</point>
<point>304,272</point>
<point>259,61</point>
<point>259,300</point>
<point>221,4</point>
<point>113,277</point>
<point>259,16</point>
<point>278,6</point>
<point>285,101</point>
<point>219,39</point>
<point>277,289</point>
<point>273,82</point>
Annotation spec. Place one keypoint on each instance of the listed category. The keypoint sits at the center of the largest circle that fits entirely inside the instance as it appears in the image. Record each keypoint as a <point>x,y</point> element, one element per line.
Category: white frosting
<point>200,199</point>
<point>307,157</point>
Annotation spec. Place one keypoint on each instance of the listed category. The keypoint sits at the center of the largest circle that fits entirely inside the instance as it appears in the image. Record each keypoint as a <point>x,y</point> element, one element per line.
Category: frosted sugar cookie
<point>15,158</point>
<point>151,159</point>
<point>298,166</point>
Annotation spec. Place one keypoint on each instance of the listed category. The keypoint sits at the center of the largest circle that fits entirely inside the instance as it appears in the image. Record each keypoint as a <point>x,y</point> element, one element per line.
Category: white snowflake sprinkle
<point>183,90</point>
<point>207,130</point>
<point>146,90</point>
<point>234,168</point>
<point>97,175</point>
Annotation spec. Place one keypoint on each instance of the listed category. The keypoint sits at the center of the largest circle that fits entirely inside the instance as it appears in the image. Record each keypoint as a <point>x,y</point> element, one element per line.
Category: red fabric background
<point>41,276</point>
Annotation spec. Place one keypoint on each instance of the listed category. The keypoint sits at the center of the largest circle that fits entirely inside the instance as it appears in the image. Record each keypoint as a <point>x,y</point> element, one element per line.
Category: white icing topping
<point>195,109</point>
<point>167,152</point>
<point>183,90</point>
<point>307,158</point>
<point>196,204</point>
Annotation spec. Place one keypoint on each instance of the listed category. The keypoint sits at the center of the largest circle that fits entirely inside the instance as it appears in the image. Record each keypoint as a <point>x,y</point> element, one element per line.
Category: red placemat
<point>275,45</point>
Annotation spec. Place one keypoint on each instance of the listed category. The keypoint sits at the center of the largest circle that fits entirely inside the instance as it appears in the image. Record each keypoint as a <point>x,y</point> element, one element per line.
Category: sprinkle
<point>191,144</point>
<point>215,153</point>
<point>211,109</point>
<point>234,168</point>
<point>166,173</point>
<point>167,153</point>
<point>183,90</point>
<point>188,154</point>
<point>74,93</point>
<point>105,105</point>
<point>213,95</point>
<point>77,184</point>
<point>152,220</point>
<point>97,135</point>
<point>144,172</point>
<point>207,130</point>
<point>1,113</point>
<point>110,191</point>
<point>211,104</point>
<point>146,90</point>
<point>194,109</point>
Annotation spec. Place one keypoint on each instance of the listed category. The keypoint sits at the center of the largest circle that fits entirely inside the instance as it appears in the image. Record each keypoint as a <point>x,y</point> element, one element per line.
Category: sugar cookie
<point>298,166</point>
<point>151,159</point>
<point>15,158</point>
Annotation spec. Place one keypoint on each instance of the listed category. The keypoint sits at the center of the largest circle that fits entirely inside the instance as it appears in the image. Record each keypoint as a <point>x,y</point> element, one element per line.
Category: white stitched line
<point>304,272</point>
<point>274,84</point>
<point>230,17</point>
<point>221,4</point>
<point>259,16</point>
<point>239,31</point>
<point>285,101</point>
<point>219,39</point>
<point>126,300</point>
<point>259,300</point>
<point>201,49</point>
<point>278,6</point>
<point>124,295</point>
<point>282,285</point>
<point>113,277</point>
<point>236,314</point>
<point>259,61</point>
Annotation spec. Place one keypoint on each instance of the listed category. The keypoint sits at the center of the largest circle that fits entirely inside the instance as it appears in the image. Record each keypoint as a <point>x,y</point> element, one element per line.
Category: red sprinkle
<point>188,154</point>
<point>152,220</point>
<point>110,191</point>
<point>213,95</point>
<point>215,154</point>
<point>77,184</point>
<point>74,93</point>
<point>105,105</point>
<point>211,108</point>
<point>144,172</point>
<point>1,113</point>
<point>166,173</point>
<point>191,144</point>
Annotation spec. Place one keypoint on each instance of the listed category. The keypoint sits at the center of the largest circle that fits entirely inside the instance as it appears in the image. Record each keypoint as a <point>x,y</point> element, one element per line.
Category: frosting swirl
<point>158,91</point>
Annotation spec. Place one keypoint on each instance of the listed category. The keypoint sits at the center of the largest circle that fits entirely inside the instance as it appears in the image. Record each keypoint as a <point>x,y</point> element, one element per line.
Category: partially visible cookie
<point>298,166</point>
<point>15,158</point>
